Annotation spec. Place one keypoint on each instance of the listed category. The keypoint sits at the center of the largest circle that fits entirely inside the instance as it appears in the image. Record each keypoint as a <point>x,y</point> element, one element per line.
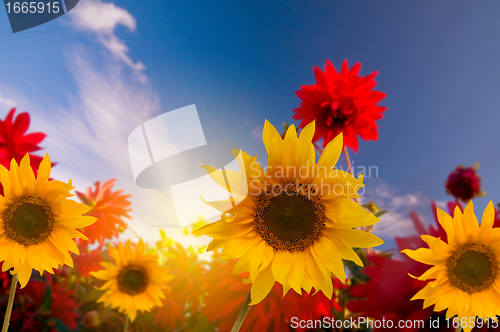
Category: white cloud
<point>256,133</point>
<point>88,138</point>
<point>397,222</point>
<point>6,102</point>
<point>102,19</point>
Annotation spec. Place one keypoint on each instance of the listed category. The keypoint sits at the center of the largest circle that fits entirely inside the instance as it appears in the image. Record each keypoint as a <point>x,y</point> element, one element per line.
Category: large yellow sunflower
<point>294,222</point>
<point>465,272</point>
<point>37,221</point>
<point>135,282</point>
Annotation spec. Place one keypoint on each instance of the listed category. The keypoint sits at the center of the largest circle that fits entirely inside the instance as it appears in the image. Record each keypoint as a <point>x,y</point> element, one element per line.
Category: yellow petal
<point>262,286</point>
<point>330,155</point>
<point>281,265</point>
<point>296,275</point>
<point>236,248</point>
<point>487,220</point>
<point>273,143</point>
<point>343,249</point>
<point>345,213</point>
<point>260,259</point>
<point>357,238</point>
<point>323,250</point>
<point>305,152</point>
<point>422,255</point>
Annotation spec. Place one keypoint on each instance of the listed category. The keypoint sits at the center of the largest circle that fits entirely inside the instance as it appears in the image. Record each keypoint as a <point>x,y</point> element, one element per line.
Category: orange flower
<point>109,207</point>
<point>171,311</point>
<point>186,269</point>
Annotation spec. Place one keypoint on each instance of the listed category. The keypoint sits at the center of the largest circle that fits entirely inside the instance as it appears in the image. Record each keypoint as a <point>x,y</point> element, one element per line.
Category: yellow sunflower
<point>37,221</point>
<point>135,282</point>
<point>465,272</point>
<point>294,222</point>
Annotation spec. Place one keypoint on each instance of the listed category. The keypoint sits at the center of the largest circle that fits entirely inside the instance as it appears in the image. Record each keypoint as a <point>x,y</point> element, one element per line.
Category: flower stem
<point>318,148</point>
<point>10,302</point>
<point>125,325</point>
<point>243,313</point>
<point>369,251</point>
<point>133,231</point>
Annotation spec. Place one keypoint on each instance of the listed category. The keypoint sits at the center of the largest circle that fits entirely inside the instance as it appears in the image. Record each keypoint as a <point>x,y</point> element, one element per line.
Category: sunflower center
<point>290,216</point>
<point>28,221</point>
<point>473,268</point>
<point>133,280</point>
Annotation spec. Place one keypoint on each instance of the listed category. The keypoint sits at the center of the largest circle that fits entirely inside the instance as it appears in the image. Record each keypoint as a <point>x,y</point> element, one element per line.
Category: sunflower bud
<point>92,320</point>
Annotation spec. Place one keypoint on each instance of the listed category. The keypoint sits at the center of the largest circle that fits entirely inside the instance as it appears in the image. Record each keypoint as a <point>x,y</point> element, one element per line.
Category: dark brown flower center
<point>341,116</point>
<point>28,221</point>
<point>290,216</point>
<point>133,280</point>
<point>472,268</point>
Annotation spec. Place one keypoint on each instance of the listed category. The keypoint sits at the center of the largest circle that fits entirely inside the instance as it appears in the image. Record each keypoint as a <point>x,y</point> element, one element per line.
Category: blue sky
<point>90,77</point>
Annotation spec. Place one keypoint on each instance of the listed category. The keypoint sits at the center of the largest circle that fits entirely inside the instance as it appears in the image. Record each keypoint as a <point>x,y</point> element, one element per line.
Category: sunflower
<point>465,273</point>
<point>293,223</point>
<point>37,221</point>
<point>135,282</point>
<point>341,102</point>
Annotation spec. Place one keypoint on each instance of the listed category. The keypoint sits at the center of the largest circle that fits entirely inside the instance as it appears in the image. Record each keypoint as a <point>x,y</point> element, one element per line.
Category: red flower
<point>186,269</point>
<point>89,261</point>
<point>227,293</point>
<point>464,183</point>
<point>4,280</point>
<point>14,144</point>
<point>31,313</point>
<point>109,208</point>
<point>341,102</point>
<point>171,311</point>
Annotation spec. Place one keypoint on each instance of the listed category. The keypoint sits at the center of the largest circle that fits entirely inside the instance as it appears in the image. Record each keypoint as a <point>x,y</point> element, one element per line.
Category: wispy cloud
<point>88,137</point>
<point>102,19</point>
<point>256,133</point>
<point>397,222</point>
<point>6,102</point>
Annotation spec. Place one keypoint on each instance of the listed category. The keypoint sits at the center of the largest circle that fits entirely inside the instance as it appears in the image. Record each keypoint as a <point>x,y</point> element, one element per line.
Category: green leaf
<point>204,325</point>
<point>61,327</point>
<point>47,300</point>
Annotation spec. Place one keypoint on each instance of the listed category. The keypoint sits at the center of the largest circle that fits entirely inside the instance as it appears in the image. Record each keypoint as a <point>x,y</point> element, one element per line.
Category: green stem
<point>243,313</point>
<point>10,302</point>
<point>125,325</point>
<point>132,230</point>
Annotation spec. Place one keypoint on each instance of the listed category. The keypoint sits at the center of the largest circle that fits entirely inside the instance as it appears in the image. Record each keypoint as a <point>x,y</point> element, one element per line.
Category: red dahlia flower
<point>341,102</point>
<point>464,183</point>
<point>109,207</point>
<point>89,261</point>
<point>32,313</point>
<point>14,143</point>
